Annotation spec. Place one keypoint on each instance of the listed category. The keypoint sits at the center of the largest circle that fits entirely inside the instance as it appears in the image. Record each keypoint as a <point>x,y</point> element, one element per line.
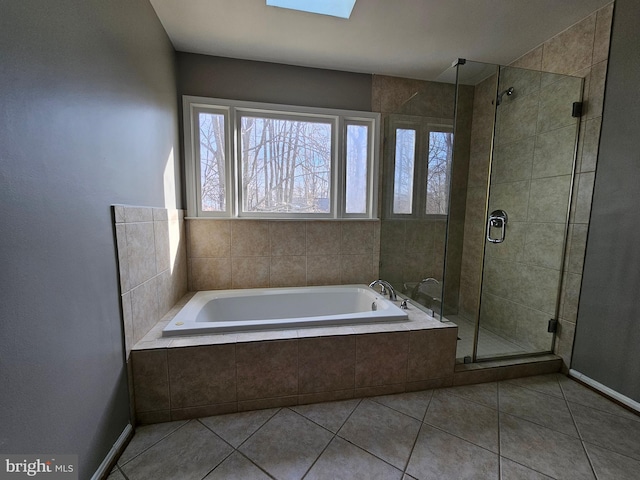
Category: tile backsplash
<point>225,254</point>
<point>152,264</point>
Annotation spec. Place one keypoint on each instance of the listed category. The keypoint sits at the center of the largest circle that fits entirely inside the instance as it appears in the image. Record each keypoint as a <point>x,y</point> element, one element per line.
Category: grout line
<point>499,436</point>
<point>121,472</point>
<point>278,409</point>
<point>459,437</point>
<point>152,445</point>
<point>255,464</point>
<point>509,381</point>
<point>525,466</point>
<point>415,441</point>
<point>166,353</point>
<point>466,398</point>
<point>589,459</point>
<point>582,442</point>
<point>358,446</point>
<point>297,368</point>
<point>221,461</point>
<point>233,449</point>
<point>335,434</point>
<point>373,399</point>
<point>235,363</point>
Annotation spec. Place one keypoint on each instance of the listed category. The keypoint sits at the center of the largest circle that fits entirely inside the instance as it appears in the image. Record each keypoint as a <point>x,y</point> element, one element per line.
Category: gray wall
<point>89,118</point>
<point>608,328</point>
<point>219,77</point>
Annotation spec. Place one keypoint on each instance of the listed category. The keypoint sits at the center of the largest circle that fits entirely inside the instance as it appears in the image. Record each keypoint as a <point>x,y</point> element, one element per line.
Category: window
<point>212,148</point>
<point>405,159</point>
<point>421,150</point>
<point>440,156</point>
<point>272,161</point>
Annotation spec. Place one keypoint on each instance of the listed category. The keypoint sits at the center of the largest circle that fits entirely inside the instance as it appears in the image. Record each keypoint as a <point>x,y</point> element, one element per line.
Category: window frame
<point>423,126</point>
<point>233,112</point>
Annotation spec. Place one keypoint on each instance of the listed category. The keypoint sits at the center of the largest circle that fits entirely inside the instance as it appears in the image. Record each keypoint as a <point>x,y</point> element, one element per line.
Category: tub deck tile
<point>276,368</point>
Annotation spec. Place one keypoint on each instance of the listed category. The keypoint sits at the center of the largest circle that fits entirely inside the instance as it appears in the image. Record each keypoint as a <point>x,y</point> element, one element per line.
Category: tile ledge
<point>507,362</point>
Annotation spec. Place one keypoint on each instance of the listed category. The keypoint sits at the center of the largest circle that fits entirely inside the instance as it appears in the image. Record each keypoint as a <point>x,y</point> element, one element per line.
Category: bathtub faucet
<point>424,281</point>
<point>385,287</point>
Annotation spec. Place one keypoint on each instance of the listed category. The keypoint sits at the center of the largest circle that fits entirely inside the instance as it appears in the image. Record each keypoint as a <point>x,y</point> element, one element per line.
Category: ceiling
<point>405,38</point>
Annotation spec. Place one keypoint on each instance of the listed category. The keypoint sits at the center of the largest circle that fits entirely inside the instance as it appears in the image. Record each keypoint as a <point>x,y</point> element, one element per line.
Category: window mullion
<point>340,160</point>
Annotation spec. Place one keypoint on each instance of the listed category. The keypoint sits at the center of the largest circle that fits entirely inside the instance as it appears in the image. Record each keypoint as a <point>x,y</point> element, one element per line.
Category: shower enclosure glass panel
<point>516,139</point>
<point>531,180</point>
<point>416,170</point>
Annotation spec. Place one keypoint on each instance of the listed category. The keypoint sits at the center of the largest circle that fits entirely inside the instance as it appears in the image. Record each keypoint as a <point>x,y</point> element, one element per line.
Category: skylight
<point>334,8</point>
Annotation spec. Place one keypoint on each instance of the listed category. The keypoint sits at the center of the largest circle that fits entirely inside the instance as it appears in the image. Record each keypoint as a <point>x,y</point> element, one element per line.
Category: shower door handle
<point>497,219</point>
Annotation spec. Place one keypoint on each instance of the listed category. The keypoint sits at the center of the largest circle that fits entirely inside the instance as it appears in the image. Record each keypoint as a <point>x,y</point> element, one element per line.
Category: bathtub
<point>219,311</point>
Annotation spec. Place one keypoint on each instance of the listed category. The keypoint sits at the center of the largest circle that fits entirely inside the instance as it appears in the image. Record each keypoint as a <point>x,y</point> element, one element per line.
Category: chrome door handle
<point>497,219</point>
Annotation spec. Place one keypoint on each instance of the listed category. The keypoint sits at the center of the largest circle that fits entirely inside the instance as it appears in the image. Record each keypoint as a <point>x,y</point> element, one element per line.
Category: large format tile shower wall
<point>583,51</point>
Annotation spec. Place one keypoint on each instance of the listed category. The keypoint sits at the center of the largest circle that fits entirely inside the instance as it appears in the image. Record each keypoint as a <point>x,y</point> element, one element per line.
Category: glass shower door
<point>530,185</point>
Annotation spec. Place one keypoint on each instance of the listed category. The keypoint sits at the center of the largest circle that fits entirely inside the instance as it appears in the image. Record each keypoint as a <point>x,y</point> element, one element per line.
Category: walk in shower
<point>496,270</point>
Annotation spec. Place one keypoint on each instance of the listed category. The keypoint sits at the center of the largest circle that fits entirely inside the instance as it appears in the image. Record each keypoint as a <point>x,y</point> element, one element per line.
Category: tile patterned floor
<point>531,428</point>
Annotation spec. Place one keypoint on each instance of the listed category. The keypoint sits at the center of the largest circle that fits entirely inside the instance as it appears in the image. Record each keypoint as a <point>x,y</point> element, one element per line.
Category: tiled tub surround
<point>194,376</point>
<point>239,253</point>
<point>152,265</point>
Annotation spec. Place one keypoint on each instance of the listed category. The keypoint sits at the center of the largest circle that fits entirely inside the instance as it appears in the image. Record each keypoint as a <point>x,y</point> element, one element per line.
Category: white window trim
<point>422,126</point>
<point>232,110</point>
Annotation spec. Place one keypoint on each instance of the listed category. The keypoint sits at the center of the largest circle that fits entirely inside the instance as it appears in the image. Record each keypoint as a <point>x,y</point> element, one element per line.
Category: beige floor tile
<point>189,454</point>
<point>606,430</point>
<point>468,420</point>
<point>541,383</point>
<point>385,433</point>
<point>237,466</point>
<point>235,428</point>
<point>484,393</point>
<point>147,436</point>
<point>413,404</point>
<point>330,415</point>
<point>439,456</point>
<point>115,475</point>
<point>546,410</point>
<point>344,461</point>
<point>576,393</point>
<point>514,471</point>
<point>287,445</point>
<point>609,465</point>
<point>380,437</point>
<point>542,449</point>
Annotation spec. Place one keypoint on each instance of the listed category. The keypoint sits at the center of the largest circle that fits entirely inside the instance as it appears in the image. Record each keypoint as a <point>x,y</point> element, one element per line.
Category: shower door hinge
<point>553,326</point>
<point>576,110</point>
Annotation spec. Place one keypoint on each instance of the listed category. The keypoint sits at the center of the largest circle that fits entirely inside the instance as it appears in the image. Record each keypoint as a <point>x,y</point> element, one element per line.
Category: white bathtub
<point>219,311</point>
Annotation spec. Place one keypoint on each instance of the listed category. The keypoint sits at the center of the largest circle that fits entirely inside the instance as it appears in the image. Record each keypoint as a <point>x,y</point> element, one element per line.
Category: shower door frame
<point>565,242</point>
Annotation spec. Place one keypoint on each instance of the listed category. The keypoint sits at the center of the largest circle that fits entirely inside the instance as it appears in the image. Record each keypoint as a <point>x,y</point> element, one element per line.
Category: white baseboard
<point>102,469</point>
<point>606,390</point>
